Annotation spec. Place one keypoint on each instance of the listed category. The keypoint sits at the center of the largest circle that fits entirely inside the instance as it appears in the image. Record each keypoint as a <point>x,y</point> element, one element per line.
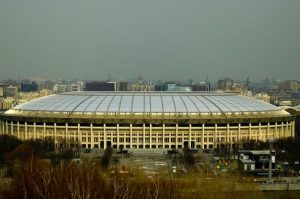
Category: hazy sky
<point>158,39</point>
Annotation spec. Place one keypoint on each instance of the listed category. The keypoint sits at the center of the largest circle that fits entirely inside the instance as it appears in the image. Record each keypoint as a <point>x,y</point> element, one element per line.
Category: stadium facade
<point>147,120</point>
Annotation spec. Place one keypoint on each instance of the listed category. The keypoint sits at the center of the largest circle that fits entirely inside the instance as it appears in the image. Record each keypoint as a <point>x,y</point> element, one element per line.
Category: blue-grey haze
<point>158,39</point>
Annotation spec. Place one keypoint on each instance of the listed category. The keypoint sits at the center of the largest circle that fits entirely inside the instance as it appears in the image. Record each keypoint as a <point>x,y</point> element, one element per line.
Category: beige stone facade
<point>148,135</point>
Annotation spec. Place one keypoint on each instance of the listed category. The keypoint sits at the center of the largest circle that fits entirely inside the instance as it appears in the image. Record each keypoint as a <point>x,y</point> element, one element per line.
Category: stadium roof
<point>146,103</point>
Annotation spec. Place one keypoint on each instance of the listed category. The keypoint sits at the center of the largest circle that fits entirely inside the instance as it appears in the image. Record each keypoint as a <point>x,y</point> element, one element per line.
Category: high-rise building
<point>29,87</point>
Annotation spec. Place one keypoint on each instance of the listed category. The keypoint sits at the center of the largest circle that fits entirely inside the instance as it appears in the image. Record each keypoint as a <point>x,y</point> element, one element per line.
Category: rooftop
<point>147,103</point>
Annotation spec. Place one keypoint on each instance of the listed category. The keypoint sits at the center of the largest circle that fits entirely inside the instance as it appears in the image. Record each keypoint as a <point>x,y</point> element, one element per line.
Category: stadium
<point>156,120</point>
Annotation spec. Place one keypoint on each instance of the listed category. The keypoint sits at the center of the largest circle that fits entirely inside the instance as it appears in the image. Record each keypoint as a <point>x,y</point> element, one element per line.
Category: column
<point>202,136</point>
<point>215,135</point>
<point>18,130</point>
<point>285,129</point>
<point>130,132</point>
<point>250,131</point>
<point>66,138</point>
<point>25,131</point>
<point>189,138</point>
<point>92,136</point>
<point>259,131</point>
<point>104,136</point>
<point>268,131</point>
<point>150,136</point>
<point>282,131</point>
<point>55,135</point>
<point>176,136</point>
<point>144,132</point>
<point>34,131</point>
<point>158,131</point>
<point>227,135</point>
<point>163,136</point>
<point>293,129</point>
<point>290,128</point>
<point>12,128</point>
<point>2,127</point>
<point>44,131</point>
<point>117,136</point>
<point>78,136</point>
<point>6,126</point>
<point>239,135</point>
<point>276,131</point>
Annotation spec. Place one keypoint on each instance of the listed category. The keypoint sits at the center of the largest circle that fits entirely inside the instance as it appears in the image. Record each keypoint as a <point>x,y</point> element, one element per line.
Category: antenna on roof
<point>109,77</point>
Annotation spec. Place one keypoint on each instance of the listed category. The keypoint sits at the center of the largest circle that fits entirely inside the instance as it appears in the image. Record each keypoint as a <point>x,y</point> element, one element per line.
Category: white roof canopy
<point>147,102</point>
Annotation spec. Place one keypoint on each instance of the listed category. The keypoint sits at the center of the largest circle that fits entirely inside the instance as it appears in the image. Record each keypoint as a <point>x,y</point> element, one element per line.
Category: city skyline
<point>157,39</point>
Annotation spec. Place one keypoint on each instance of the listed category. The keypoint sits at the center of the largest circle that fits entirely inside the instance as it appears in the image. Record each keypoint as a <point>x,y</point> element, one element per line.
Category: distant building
<point>28,96</point>
<point>278,97</point>
<point>225,84</point>
<point>263,96</point>
<point>48,85</point>
<point>114,84</point>
<point>2,86</point>
<point>11,91</point>
<point>60,88</point>
<point>289,85</point>
<point>29,87</point>
<point>140,87</point>
<point>78,86</point>
<point>202,86</point>
<point>239,87</point>
<point>163,86</point>
<point>229,86</point>
<point>122,86</point>
<point>100,86</point>
<point>180,89</point>
<point>68,87</point>
<point>6,104</point>
<point>159,87</point>
<point>44,92</point>
<point>172,87</point>
<point>74,88</point>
